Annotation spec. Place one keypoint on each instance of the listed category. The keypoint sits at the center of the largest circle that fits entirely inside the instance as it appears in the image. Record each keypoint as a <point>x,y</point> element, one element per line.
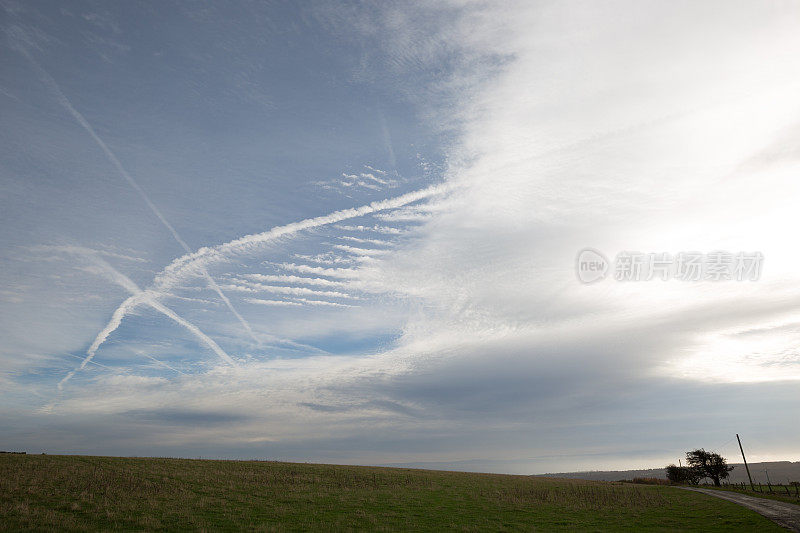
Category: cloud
<point>160,363</point>
<point>537,174</point>
<point>283,278</point>
<point>50,82</point>
<point>322,271</point>
<point>199,261</point>
<point>371,178</point>
<point>323,303</point>
<point>138,297</point>
<point>404,215</point>
<point>355,250</point>
<point>279,303</point>
<point>375,228</point>
<point>251,243</point>
<point>252,287</point>
<point>631,127</point>
<point>182,417</point>
<point>363,241</point>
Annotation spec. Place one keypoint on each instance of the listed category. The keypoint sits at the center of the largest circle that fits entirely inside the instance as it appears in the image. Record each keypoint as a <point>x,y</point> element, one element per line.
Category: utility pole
<point>745,462</point>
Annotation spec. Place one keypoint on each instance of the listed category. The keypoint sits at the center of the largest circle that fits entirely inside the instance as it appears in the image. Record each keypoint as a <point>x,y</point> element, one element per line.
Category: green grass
<point>76,493</point>
<point>762,491</point>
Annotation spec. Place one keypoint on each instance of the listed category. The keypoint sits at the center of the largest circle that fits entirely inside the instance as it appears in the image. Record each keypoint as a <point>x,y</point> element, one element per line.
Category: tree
<point>683,474</point>
<point>708,464</point>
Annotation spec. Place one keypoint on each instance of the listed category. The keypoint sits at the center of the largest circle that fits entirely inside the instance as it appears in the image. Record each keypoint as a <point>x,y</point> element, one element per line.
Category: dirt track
<point>784,514</point>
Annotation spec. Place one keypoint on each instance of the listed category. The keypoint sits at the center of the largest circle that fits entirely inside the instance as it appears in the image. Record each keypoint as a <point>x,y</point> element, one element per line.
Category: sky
<point>348,232</point>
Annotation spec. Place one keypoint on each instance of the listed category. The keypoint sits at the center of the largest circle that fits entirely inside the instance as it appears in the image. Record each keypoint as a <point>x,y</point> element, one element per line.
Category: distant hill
<point>779,472</point>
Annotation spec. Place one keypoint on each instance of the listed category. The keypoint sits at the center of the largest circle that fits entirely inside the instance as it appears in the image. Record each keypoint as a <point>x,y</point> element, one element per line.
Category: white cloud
<point>278,303</point>
<point>623,127</point>
<point>371,178</point>
<point>283,278</point>
<point>375,228</point>
<point>249,286</point>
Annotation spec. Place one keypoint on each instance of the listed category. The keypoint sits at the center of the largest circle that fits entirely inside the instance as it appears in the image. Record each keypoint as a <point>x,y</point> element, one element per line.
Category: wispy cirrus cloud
<point>19,40</point>
<point>454,325</point>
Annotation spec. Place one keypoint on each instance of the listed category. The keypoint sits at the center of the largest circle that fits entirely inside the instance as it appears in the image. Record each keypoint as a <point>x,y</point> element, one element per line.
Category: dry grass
<point>89,493</point>
<point>650,481</point>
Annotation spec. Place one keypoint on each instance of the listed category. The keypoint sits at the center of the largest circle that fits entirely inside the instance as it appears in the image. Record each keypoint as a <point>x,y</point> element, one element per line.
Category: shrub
<point>683,474</point>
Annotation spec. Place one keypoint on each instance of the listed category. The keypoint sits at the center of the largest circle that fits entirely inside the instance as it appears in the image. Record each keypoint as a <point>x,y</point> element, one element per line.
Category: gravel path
<point>783,514</point>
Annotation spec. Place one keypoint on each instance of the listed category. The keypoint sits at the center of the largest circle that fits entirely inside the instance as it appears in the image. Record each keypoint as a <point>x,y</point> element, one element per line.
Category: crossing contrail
<point>51,83</point>
<point>197,261</point>
<point>138,297</point>
<point>127,306</point>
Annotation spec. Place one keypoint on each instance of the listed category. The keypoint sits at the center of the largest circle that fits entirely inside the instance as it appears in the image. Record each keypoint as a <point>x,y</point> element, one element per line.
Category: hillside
<point>779,472</point>
<point>77,493</point>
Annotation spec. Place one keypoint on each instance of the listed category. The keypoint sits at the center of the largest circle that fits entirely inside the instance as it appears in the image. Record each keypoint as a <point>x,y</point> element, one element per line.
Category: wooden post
<point>745,462</point>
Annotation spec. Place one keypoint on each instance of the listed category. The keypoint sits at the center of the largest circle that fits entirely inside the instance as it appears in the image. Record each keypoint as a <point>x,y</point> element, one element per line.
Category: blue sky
<point>347,232</point>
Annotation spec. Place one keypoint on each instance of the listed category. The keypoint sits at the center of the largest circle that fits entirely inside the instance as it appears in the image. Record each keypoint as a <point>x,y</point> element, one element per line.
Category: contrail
<point>138,297</point>
<point>128,305</point>
<point>93,362</point>
<point>197,261</point>
<point>191,327</point>
<point>113,324</point>
<point>51,83</point>
<point>148,298</point>
<point>162,363</point>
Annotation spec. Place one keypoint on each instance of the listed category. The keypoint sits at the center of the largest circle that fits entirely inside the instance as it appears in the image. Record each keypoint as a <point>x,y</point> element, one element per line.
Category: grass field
<point>778,492</point>
<point>48,492</point>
